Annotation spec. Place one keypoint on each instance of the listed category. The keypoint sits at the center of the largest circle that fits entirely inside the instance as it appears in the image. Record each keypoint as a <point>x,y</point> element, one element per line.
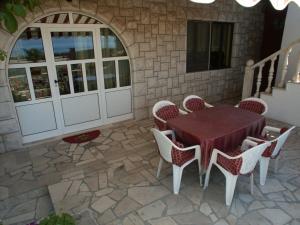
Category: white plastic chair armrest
<point>216,151</point>
<point>246,143</point>
<point>197,147</point>
<point>161,120</point>
<point>254,139</point>
<point>182,112</point>
<point>169,132</point>
<point>208,105</point>
<point>272,129</point>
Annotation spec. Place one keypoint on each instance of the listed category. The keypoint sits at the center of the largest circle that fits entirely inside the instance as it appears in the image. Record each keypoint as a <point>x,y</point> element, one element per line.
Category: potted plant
<point>54,219</point>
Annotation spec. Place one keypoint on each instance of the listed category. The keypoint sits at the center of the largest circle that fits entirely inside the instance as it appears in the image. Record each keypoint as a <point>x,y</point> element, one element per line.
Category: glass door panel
<point>72,45</point>
<point>109,69</point>
<point>40,81</point>
<point>63,79</point>
<point>91,76</point>
<point>19,84</point>
<point>77,78</point>
<point>124,73</point>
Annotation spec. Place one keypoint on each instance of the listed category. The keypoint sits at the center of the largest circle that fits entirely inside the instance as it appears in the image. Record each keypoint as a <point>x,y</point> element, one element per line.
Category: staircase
<point>282,98</point>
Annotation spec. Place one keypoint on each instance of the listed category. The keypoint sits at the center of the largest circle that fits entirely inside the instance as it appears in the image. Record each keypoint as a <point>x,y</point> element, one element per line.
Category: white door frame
<point>56,98</point>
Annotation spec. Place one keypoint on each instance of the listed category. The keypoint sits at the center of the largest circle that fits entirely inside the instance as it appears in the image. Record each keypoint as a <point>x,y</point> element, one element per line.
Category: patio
<point>111,180</point>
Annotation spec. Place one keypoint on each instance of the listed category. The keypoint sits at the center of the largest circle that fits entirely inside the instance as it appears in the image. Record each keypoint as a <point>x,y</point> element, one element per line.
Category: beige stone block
<point>105,14</point>
<point>128,37</point>
<point>50,6</point>
<point>180,42</point>
<point>139,76</point>
<point>119,23</point>
<point>139,102</point>
<point>5,38</point>
<point>139,89</point>
<point>8,126</point>
<point>4,94</point>
<point>69,5</point>
<point>134,51</point>
<point>12,141</point>
<point>138,64</point>
<point>3,78</point>
<point>6,110</point>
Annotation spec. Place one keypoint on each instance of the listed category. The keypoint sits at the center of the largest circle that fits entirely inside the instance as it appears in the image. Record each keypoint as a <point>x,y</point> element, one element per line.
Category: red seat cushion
<point>166,113</point>
<point>231,165</point>
<point>195,104</point>
<point>181,157</point>
<point>252,106</point>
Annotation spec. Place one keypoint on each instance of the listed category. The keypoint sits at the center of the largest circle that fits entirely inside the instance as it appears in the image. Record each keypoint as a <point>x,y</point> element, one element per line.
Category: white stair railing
<point>250,69</point>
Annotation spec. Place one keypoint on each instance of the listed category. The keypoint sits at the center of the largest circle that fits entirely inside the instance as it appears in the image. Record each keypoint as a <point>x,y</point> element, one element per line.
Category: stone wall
<point>154,32</point>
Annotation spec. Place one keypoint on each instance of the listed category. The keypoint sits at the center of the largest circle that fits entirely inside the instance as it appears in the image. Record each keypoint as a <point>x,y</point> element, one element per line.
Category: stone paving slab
<point>111,180</point>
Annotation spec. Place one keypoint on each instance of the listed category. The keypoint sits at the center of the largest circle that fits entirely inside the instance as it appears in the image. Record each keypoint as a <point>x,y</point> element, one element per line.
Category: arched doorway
<point>68,72</point>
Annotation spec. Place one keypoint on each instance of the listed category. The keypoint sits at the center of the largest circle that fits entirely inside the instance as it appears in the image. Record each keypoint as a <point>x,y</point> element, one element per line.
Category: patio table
<point>222,127</point>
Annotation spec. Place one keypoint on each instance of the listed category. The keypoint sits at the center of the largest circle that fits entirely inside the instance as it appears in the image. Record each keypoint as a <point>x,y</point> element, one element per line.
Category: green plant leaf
<point>19,10</point>
<point>10,22</point>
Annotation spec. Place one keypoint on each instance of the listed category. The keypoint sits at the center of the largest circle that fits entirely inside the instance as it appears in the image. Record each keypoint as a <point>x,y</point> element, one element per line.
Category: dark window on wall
<point>209,45</point>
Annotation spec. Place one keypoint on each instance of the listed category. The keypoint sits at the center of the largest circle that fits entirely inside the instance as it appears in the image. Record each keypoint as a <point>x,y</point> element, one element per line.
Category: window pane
<point>40,80</point>
<point>72,45</point>
<point>77,78</point>
<point>91,76</point>
<point>221,41</point>
<point>81,19</point>
<point>109,70</point>
<point>197,45</point>
<point>110,44</point>
<point>124,73</point>
<point>19,84</point>
<point>28,48</point>
<point>61,18</point>
<point>63,79</point>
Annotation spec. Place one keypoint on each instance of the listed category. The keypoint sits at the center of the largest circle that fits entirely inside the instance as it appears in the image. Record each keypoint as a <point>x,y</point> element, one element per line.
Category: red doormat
<point>84,137</point>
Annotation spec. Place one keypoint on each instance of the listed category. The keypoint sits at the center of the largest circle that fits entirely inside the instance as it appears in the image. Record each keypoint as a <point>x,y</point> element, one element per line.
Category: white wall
<point>290,34</point>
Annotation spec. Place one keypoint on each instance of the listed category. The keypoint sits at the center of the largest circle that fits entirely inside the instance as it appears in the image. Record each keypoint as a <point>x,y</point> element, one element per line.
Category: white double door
<point>78,99</point>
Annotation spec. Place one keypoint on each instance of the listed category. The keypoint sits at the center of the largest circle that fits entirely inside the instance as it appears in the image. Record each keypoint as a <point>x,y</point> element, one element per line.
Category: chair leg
<point>276,164</point>
<point>263,169</point>
<point>207,175</point>
<point>251,183</point>
<point>177,173</point>
<point>230,187</point>
<point>200,173</point>
<point>159,167</point>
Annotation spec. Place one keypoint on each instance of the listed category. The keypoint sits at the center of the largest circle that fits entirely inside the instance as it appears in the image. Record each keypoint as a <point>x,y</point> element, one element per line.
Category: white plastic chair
<point>166,146</point>
<point>249,159</point>
<point>193,97</point>
<point>252,108</point>
<point>278,142</point>
<point>161,123</point>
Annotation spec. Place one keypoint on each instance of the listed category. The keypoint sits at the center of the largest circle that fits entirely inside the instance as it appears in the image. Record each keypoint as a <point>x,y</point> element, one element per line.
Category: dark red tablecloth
<point>221,127</point>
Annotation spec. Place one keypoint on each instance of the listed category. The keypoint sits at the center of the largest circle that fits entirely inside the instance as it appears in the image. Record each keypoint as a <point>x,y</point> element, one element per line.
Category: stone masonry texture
<point>154,33</point>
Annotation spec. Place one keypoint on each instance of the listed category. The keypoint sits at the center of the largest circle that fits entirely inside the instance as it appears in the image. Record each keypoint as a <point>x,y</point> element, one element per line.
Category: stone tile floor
<point>111,181</point>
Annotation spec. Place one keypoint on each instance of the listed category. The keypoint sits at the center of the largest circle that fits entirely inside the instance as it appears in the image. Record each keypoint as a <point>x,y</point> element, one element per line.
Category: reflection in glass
<point>198,35</point>
<point>82,19</point>
<point>19,85</point>
<point>63,79</point>
<point>77,78</point>
<point>110,44</point>
<point>109,71</point>
<point>60,18</point>
<point>28,48</point>
<point>91,76</point>
<point>124,73</point>
<point>221,41</point>
<point>72,45</point>
<point>40,81</point>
